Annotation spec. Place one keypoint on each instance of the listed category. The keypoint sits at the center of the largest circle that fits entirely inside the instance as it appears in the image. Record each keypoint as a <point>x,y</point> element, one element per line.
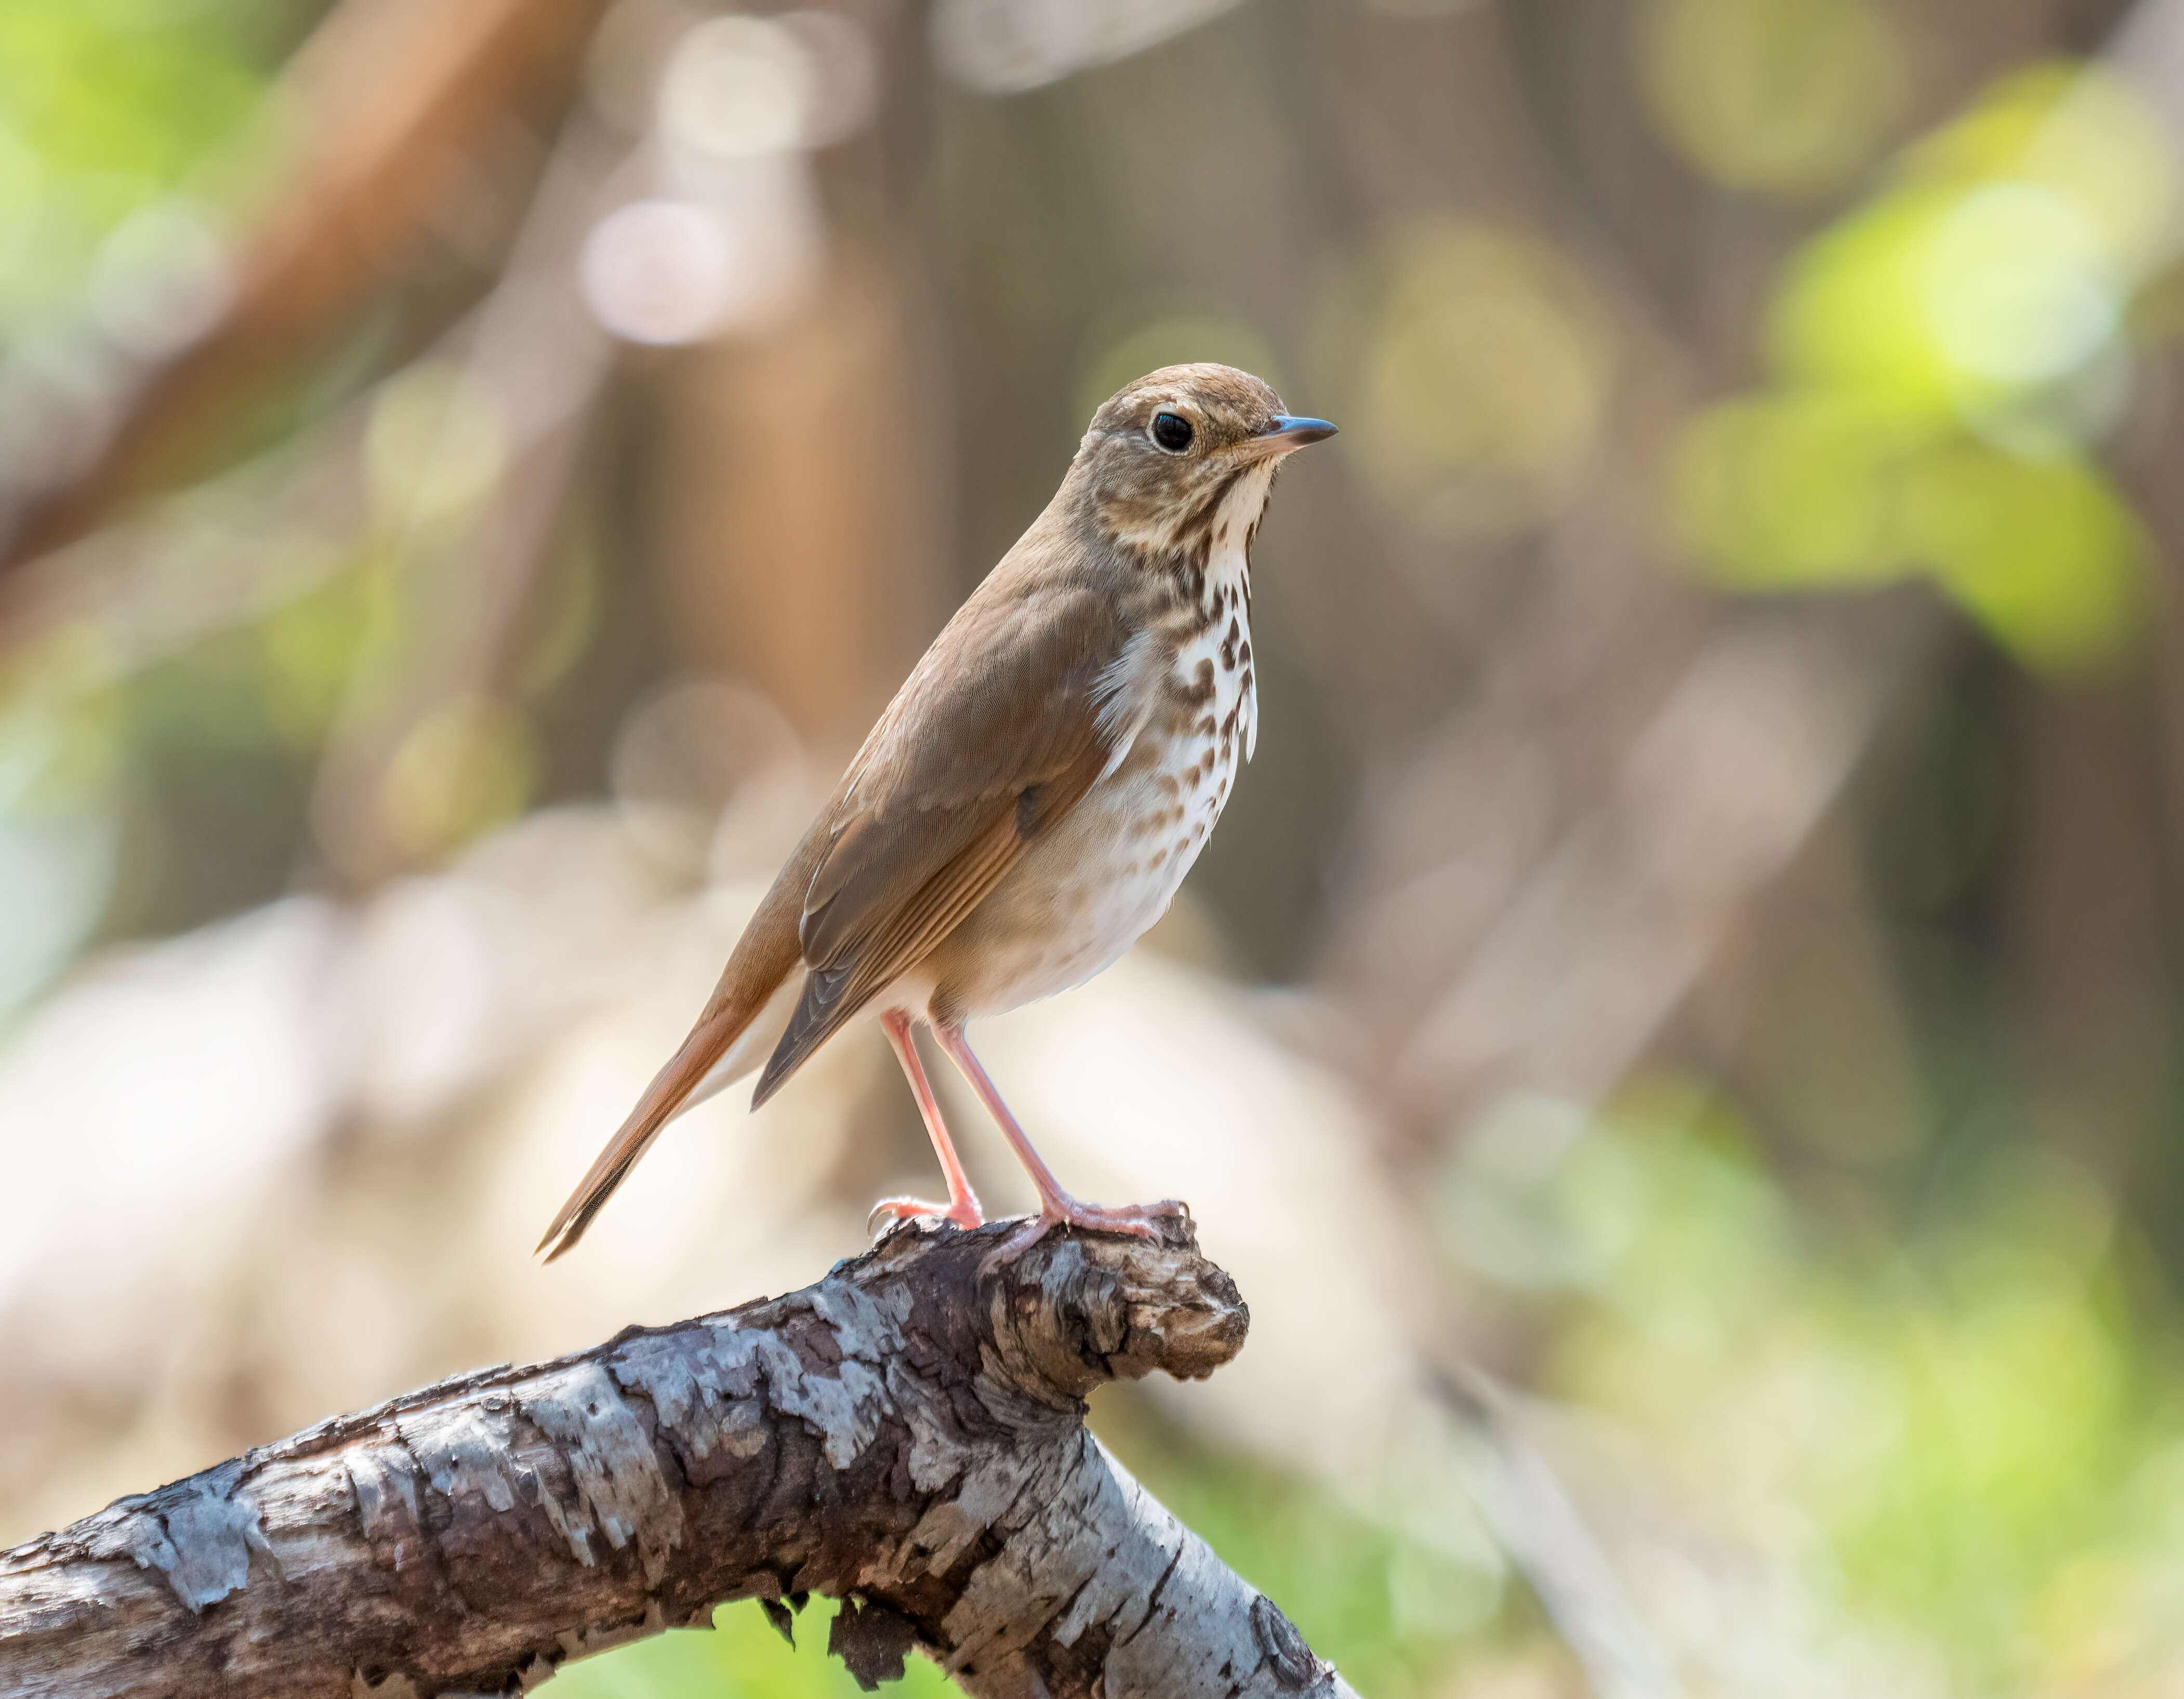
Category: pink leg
<point>962,1205</point>
<point>1057,1206</point>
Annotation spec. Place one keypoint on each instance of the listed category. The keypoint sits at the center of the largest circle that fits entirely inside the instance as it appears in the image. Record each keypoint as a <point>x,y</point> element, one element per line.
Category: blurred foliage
<point>1393,1615</point>
<point>1475,364</point>
<point>105,109</point>
<point>1948,354</point>
<point>741,1654</point>
<point>1964,1427</point>
<point>61,745</point>
<point>108,112</point>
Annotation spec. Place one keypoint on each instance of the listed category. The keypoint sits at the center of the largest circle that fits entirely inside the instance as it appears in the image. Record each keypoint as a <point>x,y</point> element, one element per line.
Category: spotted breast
<point>1184,697</point>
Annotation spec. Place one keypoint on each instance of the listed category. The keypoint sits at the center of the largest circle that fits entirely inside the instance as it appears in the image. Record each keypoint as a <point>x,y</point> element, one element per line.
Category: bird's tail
<point>708,1060</point>
<point>749,1010</point>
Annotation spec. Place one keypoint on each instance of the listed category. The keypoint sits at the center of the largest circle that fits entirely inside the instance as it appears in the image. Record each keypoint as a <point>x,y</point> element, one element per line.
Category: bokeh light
<point>1790,96</point>
<point>1004,47</point>
<point>160,280</point>
<point>658,271</point>
<point>435,447</point>
<point>1950,353</point>
<point>469,766</point>
<point>738,86</point>
<point>1480,366</point>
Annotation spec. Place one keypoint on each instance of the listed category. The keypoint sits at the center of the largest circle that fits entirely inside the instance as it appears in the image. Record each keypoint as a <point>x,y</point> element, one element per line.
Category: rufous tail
<point>764,958</point>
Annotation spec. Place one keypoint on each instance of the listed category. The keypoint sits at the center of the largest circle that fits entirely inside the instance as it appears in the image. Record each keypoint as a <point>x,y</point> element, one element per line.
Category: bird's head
<point>1177,459</point>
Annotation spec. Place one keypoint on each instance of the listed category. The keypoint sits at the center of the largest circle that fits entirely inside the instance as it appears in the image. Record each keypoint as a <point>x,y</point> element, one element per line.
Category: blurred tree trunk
<point>802,504</point>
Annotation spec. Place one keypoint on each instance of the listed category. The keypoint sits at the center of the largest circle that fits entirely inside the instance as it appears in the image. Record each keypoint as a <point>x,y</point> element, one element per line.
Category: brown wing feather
<point>995,738</point>
<point>835,991</point>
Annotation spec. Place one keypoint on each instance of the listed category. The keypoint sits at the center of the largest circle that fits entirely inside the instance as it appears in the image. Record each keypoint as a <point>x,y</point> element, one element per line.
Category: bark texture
<point>906,1433</point>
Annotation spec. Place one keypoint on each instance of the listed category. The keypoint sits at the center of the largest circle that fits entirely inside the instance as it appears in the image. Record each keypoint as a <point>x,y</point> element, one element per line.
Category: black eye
<point>1172,431</point>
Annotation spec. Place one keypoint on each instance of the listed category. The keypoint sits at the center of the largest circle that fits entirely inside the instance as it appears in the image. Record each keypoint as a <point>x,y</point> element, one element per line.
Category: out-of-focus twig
<point>1530,1513</point>
<point>389,100</point>
<point>536,361</point>
<point>1599,943</point>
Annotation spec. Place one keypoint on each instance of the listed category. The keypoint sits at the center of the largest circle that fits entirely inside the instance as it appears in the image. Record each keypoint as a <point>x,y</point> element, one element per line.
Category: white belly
<point>1130,886</point>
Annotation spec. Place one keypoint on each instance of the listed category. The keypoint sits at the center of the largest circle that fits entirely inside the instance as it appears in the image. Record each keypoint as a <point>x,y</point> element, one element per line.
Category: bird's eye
<point>1172,431</point>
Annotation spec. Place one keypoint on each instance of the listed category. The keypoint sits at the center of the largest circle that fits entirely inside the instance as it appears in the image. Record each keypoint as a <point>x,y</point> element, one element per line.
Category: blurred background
<point>1680,1037</point>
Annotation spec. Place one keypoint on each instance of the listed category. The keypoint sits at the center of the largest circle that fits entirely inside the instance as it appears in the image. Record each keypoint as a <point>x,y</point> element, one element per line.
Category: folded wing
<point>993,740</point>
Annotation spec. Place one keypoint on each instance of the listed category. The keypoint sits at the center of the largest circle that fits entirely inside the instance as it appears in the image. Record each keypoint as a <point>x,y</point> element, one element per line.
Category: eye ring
<point>1172,433</point>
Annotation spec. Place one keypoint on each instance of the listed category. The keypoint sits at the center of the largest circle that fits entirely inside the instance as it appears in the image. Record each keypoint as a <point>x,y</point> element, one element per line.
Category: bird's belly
<point>1081,897</point>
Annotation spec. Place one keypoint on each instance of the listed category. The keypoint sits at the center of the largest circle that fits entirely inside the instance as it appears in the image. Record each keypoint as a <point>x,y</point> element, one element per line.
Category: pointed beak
<point>1285,432</point>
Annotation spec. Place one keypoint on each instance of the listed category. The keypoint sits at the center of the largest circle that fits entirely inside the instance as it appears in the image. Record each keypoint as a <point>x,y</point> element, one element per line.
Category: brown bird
<point>1030,800</point>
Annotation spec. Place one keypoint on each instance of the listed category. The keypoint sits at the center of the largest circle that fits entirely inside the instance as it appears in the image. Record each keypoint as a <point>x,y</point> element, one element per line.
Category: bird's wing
<point>995,738</point>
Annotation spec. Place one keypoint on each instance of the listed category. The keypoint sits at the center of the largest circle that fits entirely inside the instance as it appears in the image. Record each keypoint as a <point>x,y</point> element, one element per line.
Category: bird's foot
<point>964,1212</point>
<point>1141,1221</point>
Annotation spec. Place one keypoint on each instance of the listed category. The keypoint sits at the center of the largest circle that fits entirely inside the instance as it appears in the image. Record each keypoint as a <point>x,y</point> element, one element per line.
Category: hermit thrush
<point>1030,800</point>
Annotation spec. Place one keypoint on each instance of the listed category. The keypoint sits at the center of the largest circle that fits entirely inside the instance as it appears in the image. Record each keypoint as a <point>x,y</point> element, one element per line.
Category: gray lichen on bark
<point>905,1435</point>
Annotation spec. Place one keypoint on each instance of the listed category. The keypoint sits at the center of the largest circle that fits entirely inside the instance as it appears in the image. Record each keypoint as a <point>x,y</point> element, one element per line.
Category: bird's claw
<point>964,1212</point>
<point>1139,1221</point>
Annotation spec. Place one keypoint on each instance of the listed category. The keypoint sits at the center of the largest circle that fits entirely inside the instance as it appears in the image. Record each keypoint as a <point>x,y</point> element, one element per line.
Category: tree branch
<point>393,99</point>
<point>906,1433</point>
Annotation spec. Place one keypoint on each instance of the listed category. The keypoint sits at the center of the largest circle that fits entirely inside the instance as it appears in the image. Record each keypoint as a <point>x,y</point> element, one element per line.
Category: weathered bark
<point>906,1432</point>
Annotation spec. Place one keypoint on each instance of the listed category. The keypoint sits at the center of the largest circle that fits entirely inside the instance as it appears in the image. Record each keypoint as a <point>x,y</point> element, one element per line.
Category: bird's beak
<point>1285,433</point>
